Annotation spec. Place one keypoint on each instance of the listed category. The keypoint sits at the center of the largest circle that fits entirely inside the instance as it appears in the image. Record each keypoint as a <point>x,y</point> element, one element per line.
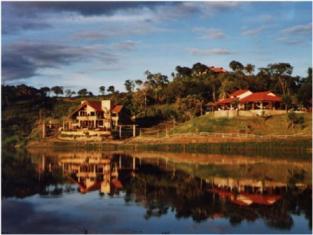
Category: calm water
<point>149,192</point>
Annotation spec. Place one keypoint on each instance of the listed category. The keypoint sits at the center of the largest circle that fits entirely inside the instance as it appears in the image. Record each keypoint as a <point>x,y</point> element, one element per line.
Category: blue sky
<point>90,44</point>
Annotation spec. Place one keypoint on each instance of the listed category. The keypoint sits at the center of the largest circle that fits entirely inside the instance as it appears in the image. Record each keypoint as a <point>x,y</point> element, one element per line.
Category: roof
<point>217,69</point>
<point>261,96</point>
<point>238,93</point>
<point>263,199</point>
<point>117,109</point>
<point>226,101</point>
<point>95,104</point>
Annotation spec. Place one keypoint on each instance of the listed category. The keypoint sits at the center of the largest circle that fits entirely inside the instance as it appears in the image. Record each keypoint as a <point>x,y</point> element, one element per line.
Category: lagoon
<point>80,191</point>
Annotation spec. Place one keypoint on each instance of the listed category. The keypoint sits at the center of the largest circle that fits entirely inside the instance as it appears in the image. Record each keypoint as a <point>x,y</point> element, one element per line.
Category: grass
<point>276,125</point>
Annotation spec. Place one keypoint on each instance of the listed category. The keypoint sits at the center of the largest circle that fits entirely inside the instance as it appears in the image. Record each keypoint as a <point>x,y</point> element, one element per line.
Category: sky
<point>90,44</point>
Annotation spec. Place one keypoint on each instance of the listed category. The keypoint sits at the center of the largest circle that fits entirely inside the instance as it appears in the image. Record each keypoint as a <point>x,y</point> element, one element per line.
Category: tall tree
<point>58,90</point>
<point>45,90</point>
<point>129,86</point>
<point>304,93</point>
<point>82,92</point>
<point>249,69</point>
<point>102,90</point>
<point>69,92</point>
<point>236,66</point>
<point>281,72</point>
<point>111,89</point>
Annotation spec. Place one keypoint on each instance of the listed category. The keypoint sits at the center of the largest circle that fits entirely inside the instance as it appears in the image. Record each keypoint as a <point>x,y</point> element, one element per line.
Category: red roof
<point>95,104</point>
<point>225,101</point>
<point>217,69</point>
<point>263,199</point>
<point>261,96</point>
<point>238,93</point>
<point>117,108</point>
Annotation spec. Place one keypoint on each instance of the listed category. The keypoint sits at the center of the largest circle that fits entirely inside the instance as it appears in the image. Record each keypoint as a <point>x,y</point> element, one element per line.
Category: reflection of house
<point>246,100</point>
<point>98,115</point>
<point>246,199</point>
<point>92,173</point>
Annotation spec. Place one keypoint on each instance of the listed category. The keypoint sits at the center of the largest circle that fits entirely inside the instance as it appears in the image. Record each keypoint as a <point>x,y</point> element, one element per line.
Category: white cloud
<point>210,33</point>
<point>304,28</point>
<point>252,31</point>
<point>209,52</point>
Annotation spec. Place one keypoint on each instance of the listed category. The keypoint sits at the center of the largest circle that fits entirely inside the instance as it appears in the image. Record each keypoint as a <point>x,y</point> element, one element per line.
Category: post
<point>134,163</point>
<point>43,130</point>
<point>120,162</point>
<point>120,131</point>
<point>134,130</point>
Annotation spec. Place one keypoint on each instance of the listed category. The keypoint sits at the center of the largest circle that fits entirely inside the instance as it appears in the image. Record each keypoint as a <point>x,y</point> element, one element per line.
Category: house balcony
<point>88,118</point>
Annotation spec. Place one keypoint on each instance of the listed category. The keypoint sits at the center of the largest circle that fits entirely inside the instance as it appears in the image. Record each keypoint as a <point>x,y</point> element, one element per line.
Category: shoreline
<point>194,143</point>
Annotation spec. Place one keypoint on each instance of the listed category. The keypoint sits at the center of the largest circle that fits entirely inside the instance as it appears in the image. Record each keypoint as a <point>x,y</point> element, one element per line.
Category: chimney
<point>106,105</point>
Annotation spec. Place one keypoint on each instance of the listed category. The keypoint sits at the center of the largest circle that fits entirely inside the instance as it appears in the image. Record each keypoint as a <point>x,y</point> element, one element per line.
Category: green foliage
<point>82,92</point>
<point>295,119</point>
<point>58,90</point>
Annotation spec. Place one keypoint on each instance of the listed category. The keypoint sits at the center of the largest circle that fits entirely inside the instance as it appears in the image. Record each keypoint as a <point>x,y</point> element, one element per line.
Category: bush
<point>295,119</point>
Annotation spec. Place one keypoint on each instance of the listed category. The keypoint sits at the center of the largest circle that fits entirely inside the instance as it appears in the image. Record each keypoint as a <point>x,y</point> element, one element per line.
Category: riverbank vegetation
<point>158,98</point>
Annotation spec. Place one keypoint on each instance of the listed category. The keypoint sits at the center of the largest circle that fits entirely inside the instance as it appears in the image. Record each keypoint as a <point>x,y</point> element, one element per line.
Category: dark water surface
<point>151,192</point>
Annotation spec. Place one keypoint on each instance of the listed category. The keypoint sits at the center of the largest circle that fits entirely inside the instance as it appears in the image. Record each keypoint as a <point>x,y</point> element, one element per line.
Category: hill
<point>275,125</point>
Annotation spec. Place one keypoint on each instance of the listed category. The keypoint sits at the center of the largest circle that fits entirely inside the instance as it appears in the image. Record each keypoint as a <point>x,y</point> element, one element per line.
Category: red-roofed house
<point>98,115</point>
<point>217,69</point>
<point>233,100</point>
<point>246,100</point>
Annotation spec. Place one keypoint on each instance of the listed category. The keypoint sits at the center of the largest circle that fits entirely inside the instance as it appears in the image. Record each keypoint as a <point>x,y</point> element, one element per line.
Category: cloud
<point>209,8</point>
<point>252,31</point>
<point>209,52</point>
<point>299,29</point>
<point>126,46</point>
<point>23,60</point>
<point>296,35</point>
<point>91,35</point>
<point>210,33</point>
<point>19,16</point>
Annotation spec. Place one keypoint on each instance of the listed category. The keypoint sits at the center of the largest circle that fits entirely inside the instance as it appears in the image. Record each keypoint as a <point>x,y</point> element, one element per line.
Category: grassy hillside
<point>276,125</point>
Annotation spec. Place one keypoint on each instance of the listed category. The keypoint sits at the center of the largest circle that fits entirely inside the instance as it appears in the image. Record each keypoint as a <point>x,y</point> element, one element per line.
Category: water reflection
<point>167,185</point>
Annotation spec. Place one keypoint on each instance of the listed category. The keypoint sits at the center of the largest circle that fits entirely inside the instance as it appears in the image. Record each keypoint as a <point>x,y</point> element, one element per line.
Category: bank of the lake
<point>194,144</point>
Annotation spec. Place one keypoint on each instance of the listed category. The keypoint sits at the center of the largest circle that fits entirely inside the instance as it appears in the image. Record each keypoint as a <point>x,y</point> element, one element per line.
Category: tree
<point>156,84</point>
<point>295,119</point>
<point>236,66</point>
<point>129,86</point>
<point>281,72</point>
<point>111,89</point>
<point>58,90</point>
<point>102,90</point>
<point>249,69</point>
<point>304,93</point>
<point>82,92</point>
<point>69,92</point>
<point>45,90</point>
<point>287,101</point>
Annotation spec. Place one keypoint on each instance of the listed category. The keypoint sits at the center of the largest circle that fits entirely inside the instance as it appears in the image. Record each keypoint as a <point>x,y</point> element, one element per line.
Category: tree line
<point>190,89</point>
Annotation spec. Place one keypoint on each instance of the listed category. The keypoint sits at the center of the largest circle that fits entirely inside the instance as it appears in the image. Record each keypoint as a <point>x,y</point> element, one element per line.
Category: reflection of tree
<point>20,177</point>
<point>159,191</point>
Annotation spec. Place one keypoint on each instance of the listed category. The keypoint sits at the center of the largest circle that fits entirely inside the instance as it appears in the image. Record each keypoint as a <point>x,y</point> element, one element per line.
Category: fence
<point>166,132</point>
